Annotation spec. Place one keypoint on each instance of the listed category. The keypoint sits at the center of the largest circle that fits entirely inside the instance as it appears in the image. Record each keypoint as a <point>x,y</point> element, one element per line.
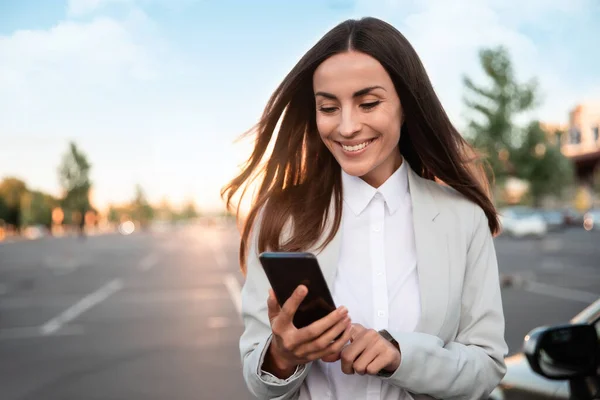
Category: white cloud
<point>70,68</point>
<point>99,78</point>
<point>80,80</point>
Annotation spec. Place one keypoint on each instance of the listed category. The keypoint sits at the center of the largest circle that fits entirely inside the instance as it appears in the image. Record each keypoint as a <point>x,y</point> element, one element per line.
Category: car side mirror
<point>562,352</point>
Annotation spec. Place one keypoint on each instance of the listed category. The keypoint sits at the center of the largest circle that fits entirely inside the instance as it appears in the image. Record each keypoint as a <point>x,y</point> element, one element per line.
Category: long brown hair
<point>301,178</point>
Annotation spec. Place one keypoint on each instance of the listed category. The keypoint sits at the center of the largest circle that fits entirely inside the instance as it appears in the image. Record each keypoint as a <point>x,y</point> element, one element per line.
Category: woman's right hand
<point>291,347</point>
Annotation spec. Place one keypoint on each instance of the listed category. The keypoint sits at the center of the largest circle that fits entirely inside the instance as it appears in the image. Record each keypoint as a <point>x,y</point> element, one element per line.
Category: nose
<point>349,123</point>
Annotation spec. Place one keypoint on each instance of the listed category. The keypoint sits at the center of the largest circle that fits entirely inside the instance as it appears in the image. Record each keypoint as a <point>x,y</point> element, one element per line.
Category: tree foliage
<point>74,176</point>
<point>512,150</point>
<point>11,192</point>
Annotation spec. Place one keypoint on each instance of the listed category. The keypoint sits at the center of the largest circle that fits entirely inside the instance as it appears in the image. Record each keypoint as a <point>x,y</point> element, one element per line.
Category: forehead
<point>348,72</point>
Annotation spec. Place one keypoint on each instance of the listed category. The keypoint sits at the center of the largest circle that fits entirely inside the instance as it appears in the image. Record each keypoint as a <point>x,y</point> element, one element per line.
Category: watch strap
<point>387,336</point>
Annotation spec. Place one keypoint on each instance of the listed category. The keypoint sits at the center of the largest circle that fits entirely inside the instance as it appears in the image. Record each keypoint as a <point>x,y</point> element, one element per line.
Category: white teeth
<point>357,147</point>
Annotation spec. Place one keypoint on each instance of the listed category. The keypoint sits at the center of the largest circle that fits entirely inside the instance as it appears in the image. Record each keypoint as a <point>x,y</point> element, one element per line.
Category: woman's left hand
<point>369,353</point>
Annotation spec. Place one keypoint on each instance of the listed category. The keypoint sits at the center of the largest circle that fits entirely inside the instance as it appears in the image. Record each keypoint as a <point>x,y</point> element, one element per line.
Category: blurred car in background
<point>521,221</point>
<point>559,362</point>
<point>572,217</point>
<point>555,219</point>
<point>36,232</point>
<point>591,219</point>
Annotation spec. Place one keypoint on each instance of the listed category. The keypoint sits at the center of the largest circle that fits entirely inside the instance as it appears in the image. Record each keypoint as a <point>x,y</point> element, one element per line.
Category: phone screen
<point>286,271</point>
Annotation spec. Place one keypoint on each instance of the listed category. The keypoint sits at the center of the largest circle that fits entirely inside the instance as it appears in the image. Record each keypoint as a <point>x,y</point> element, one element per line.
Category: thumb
<point>332,357</point>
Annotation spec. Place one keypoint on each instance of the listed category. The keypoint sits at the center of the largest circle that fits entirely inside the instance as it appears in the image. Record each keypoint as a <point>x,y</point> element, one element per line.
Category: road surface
<point>155,315</point>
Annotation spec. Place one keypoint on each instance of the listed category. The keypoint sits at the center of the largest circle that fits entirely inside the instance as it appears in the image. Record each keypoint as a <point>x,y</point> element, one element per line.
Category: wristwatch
<point>386,335</point>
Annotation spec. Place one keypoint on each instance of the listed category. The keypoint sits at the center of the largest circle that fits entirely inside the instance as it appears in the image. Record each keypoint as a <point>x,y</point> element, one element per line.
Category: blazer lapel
<point>432,256</point>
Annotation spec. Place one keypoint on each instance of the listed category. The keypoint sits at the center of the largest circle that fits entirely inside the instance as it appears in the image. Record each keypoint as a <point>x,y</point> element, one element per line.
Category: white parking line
<point>148,262</point>
<point>81,306</point>
<point>235,291</point>
<point>561,293</point>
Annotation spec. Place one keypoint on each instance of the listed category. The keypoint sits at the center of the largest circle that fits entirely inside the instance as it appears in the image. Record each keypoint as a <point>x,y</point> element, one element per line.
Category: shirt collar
<point>358,193</point>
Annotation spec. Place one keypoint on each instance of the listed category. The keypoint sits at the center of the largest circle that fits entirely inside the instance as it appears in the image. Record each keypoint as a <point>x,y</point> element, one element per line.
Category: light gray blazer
<point>457,350</point>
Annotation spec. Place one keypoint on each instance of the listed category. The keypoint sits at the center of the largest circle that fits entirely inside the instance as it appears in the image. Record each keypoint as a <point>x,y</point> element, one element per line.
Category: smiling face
<point>359,115</point>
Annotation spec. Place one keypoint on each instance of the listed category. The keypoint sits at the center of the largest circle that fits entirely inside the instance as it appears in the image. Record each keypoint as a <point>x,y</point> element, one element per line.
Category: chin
<point>355,170</point>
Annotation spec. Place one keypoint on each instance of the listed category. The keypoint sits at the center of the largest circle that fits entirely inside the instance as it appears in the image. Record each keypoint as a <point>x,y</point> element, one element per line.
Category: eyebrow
<point>358,93</point>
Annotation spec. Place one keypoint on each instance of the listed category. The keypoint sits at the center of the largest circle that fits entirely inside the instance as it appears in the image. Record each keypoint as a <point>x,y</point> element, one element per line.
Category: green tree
<point>37,208</point>
<point>189,211</point>
<point>542,164</point>
<point>596,181</point>
<point>3,211</point>
<point>495,108</point>
<point>114,214</point>
<point>74,176</point>
<point>141,210</point>
<point>12,190</point>
<point>514,150</point>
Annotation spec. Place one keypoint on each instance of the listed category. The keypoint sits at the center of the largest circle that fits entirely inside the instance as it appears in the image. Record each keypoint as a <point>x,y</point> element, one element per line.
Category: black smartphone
<point>286,271</point>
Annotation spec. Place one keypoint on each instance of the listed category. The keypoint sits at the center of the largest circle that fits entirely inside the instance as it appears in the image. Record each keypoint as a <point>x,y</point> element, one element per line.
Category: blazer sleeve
<point>257,334</point>
<point>472,365</point>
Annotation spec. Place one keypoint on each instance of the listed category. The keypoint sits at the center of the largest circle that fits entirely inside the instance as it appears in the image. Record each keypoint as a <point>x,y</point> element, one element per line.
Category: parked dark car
<point>555,219</point>
<point>558,362</point>
<point>572,217</point>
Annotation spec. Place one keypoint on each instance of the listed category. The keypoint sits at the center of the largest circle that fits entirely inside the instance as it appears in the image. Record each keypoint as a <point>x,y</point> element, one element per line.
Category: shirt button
<point>380,313</point>
<point>376,229</point>
<point>379,273</point>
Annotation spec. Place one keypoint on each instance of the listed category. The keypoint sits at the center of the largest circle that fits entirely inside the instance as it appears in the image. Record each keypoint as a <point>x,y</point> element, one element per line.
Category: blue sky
<point>156,91</point>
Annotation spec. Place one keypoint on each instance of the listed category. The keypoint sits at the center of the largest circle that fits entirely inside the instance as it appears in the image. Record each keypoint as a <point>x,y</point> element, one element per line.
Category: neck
<point>382,173</point>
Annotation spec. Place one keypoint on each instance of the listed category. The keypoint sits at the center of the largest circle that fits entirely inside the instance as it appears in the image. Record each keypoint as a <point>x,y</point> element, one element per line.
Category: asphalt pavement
<point>154,315</point>
<point>146,316</point>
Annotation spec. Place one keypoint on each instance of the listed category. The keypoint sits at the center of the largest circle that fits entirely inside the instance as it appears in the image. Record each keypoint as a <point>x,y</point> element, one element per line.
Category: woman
<point>355,177</point>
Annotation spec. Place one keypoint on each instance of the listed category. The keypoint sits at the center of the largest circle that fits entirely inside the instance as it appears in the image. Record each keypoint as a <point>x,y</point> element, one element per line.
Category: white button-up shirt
<point>376,279</point>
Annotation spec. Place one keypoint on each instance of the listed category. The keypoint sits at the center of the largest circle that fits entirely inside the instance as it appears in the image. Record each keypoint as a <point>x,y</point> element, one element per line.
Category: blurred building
<point>580,139</point>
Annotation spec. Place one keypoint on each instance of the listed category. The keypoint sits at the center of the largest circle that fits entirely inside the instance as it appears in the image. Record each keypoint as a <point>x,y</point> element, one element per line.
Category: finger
<point>357,331</point>
<point>320,346</point>
<point>331,357</point>
<point>272,305</point>
<point>347,356</point>
<point>365,358</point>
<point>291,305</point>
<point>361,338</point>
<point>335,350</point>
<point>318,328</point>
<point>377,365</point>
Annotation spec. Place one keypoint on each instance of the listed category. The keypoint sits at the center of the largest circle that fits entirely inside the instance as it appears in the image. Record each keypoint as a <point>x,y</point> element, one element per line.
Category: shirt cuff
<point>268,377</point>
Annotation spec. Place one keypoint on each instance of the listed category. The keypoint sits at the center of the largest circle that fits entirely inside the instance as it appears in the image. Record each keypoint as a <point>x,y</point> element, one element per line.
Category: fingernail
<point>301,290</point>
<point>343,310</point>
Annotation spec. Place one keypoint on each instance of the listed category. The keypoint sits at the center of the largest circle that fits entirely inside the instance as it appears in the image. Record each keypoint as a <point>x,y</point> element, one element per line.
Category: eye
<point>327,110</point>
<point>369,106</point>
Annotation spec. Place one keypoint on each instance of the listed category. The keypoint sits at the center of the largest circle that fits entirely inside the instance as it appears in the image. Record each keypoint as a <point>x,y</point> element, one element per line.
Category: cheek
<point>388,124</point>
<point>325,126</point>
